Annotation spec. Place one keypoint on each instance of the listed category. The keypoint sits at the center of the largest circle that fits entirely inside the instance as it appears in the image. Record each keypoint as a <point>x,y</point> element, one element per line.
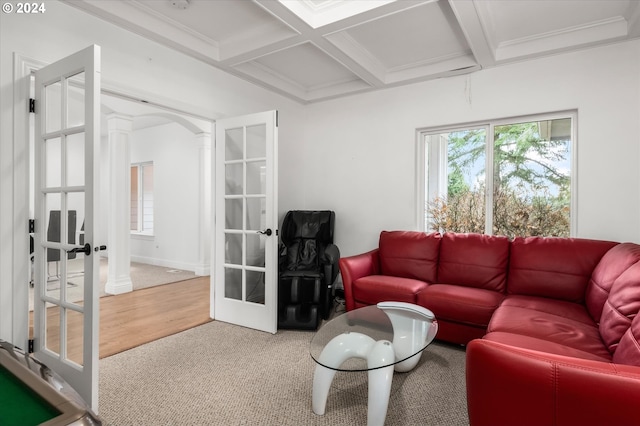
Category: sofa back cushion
<point>611,266</point>
<point>558,268</point>
<point>409,254</point>
<point>628,350</point>
<point>621,307</point>
<point>474,260</point>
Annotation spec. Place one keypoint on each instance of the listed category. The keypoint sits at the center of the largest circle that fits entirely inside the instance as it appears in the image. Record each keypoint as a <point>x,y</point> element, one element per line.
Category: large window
<point>508,177</point>
<point>142,198</point>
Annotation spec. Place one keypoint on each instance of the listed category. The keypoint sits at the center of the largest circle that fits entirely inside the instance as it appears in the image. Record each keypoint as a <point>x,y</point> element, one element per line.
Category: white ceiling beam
<point>474,31</point>
<point>315,36</point>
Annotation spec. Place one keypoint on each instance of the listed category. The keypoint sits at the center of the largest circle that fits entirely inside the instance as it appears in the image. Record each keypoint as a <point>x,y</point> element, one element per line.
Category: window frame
<point>425,154</point>
<point>140,230</point>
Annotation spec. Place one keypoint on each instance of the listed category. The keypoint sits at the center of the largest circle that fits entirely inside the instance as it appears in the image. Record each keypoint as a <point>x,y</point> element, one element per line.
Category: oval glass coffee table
<point>378,339</point>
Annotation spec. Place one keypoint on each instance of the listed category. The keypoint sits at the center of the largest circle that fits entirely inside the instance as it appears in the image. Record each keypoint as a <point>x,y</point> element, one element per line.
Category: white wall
<point>360,151</point>
<point>131,64</point>
<point>175,157</point>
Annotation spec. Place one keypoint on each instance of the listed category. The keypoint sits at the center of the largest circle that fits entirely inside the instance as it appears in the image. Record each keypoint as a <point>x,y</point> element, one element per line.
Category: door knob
<point>86,249</point>
<point>266,232</point>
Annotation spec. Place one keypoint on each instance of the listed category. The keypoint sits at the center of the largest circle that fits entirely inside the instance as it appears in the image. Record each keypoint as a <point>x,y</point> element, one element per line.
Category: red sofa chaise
<point>551,325</point>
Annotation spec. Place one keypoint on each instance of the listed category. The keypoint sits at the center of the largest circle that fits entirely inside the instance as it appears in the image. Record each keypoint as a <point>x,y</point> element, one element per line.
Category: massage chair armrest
<point>331,254</point>
<point>511,385</point>
<point>330,261</point>
<point>355,267</point>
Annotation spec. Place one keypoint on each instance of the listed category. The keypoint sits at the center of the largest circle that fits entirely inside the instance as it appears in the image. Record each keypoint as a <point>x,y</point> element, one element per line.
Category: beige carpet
<point>221,374</point>
<point>142,276</point>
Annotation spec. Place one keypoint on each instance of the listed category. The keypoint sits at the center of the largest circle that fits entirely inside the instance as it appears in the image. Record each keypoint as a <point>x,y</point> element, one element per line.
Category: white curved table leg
<point>414,327</point>
<point>322,379</point>
<point>337,351</point>
<point>379,382</point>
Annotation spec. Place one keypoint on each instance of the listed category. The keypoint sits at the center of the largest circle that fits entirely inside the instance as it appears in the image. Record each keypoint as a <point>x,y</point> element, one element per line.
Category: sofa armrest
<point>511,385</point>
<point>354,267</point>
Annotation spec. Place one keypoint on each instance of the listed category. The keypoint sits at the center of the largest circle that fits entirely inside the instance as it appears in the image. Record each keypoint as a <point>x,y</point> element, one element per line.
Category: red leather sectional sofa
<point>551,324</point>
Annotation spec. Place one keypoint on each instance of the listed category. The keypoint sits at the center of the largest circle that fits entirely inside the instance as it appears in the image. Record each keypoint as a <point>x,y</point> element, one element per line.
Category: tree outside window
<point>507,178</point>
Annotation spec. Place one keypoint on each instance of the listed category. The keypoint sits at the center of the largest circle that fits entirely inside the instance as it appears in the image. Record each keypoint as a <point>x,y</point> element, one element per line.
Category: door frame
<point>23,67</point>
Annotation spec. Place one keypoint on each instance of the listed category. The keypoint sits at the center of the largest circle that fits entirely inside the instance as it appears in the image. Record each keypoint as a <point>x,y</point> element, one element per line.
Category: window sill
<point>142,236</point>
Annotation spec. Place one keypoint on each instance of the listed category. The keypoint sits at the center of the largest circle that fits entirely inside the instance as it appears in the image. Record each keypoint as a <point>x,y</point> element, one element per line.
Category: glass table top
<point>370,321</point>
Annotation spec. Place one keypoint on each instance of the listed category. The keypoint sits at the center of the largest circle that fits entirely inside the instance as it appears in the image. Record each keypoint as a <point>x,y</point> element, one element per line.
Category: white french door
<point>245,279</point>
<point>67,136</point>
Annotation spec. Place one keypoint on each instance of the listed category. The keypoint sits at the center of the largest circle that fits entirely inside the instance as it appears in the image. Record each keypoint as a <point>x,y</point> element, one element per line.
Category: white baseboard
<point>198,269</point>
<point>119,286</point>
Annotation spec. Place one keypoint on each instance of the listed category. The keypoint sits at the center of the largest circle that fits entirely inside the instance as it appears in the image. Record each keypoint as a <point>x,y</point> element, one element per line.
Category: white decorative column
<point>203,141</point>
<point>119,214</point>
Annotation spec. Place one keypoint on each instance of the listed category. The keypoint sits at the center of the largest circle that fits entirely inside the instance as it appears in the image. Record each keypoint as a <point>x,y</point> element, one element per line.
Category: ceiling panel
<point>233,26</point>
<point>414,36</point>
<point>311,50</point>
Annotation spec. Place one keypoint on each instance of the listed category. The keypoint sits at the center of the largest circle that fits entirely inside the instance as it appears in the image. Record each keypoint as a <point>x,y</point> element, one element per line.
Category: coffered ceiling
<point>311,50</point>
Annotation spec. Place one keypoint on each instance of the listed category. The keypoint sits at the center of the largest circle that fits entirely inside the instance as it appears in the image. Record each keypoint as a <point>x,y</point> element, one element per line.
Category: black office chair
<point>53,234</point>
<point>308,268</point>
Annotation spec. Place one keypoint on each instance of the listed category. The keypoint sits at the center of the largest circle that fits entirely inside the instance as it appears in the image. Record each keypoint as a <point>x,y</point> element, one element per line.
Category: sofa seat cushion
<point>474,260</point>
<point>373,289</point>
<point>466,305</point>
<point>569,310</point>
<point>549,323</point>
<point>542,345</point>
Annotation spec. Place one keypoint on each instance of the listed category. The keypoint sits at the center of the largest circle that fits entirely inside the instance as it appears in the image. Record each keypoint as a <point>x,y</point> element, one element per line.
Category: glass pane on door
<point>75,340</point>
<point>234,144</point>
<point>256,177</point>
<point>74,289</point>
<point>255,287</point>
<point>256,136</point>
<point>255,250</point>
<point>256,213</point>
<point>74,146</point>
<point>53,104</point>
<point>75,100</point>
<point>52,163</point>
<point>233,283</point>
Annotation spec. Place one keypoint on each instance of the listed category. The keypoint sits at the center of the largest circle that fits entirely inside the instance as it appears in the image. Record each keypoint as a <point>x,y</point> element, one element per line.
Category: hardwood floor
<point>132,319</point>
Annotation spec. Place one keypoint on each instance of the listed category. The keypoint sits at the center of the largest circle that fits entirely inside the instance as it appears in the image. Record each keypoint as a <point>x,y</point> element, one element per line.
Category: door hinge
<point>32,105</point>
<point>32,226</point>
<point>276,118</point>
<point>31,346</point>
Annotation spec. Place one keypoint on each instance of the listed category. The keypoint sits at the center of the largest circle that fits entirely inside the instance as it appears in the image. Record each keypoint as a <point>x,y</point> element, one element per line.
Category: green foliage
<point>456,184</point>
<point>531,193</point>
<point>513,214</point>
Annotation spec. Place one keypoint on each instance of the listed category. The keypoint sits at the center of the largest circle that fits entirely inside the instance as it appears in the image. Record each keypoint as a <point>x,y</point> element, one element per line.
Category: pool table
<point>32,394</point>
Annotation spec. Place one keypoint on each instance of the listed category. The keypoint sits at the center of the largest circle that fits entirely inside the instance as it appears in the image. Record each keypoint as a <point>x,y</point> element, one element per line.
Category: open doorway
<point>169,167</point>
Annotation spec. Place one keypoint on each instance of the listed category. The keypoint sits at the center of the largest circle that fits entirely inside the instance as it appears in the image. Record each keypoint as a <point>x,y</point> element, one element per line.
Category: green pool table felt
<point>20,405</point>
